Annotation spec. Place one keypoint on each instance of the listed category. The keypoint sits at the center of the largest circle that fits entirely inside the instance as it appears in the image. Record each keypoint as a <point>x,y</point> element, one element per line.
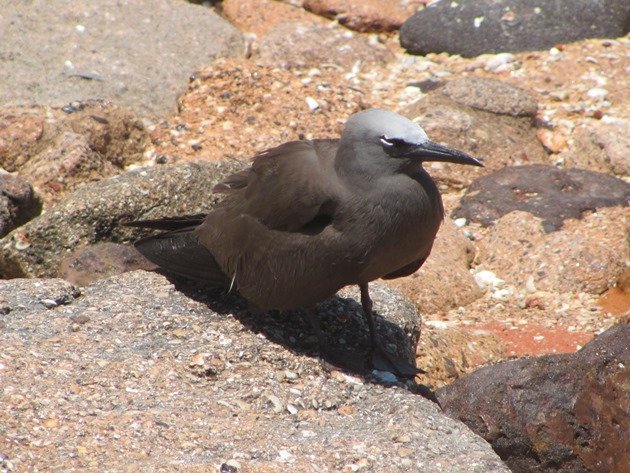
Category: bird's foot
<point>382,360</point>
<point>341,360</point>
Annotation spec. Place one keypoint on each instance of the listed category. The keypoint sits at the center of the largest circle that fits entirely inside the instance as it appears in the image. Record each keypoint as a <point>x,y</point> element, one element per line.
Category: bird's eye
<point>387,143</point>
<point>392,142</point>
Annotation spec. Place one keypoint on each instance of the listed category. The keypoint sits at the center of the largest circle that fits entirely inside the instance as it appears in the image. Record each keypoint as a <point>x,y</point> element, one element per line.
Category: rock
<point>551,193</point>
<point>564,413</point>
<point>302,45</point>
<point>500,140</point>
<point>259,18</point>
<point>91,263</point>
<point>363,15</point>
<point>585,255</point>
<point>491,95</point>
<point>18,202</point>
<point>603,147</point>
<point>58,149</point>
<point>108,50</point>
<point>227,111</point>
<point>205,389</point>
<point>447,352</point>
<point>431,288</point>
<point>95,212</point>
<point>397,320</point>
<point>474,27</point>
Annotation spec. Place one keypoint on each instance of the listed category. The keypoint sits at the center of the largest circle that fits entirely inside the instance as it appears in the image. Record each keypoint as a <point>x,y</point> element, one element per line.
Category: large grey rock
<point>133,374</point>
<point>95,211</point>
<point>474,27</point>
<point>138,53</point>
<point>557,413</point>
<point>303,45</point>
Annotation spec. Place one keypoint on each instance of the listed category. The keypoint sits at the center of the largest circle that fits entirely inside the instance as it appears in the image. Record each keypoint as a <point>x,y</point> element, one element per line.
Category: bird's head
<point>386,136</point>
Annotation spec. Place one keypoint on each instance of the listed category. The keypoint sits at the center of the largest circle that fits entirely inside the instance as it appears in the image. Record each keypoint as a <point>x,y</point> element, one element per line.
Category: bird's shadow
<point>341,321</point>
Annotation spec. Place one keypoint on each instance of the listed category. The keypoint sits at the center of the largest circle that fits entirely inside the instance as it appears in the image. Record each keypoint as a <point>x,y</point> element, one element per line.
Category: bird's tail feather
<point>178,250</point>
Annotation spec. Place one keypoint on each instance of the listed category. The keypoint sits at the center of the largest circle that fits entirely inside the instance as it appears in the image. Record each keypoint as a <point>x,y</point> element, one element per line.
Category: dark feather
<point>168,223</point>
<point>179,251</point>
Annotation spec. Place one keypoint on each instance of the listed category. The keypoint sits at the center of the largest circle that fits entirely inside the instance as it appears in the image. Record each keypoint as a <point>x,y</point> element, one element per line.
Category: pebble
<point>499,62</point>
<point>312,103</point>
<point>487,279</point>
<point>385,376</point>
<point>460,222</point>
<point>49,303</point>
<point>597,93</point>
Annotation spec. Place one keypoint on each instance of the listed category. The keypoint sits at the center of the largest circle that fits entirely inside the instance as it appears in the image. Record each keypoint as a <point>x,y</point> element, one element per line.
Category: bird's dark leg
<point>380,358</point>
<point>366,304</point>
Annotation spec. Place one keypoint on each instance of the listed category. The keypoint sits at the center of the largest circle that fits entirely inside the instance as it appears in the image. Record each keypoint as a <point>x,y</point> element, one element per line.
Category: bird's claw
<point>381,360</point>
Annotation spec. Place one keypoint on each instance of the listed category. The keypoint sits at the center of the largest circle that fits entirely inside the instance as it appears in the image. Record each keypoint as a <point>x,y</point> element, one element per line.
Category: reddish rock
<point>361,15</point>
<point>18,202</point>
<point>617,299</point>
<point>235,108</point>
<point>94,262</point>
<point>499,139</point>
<point>431,288</point>
<point>447,353</point>
<point>254,16</point>
<point>561,413</point>
<point>535,339</point>
<point>586,255</point>
<point>603,147</point>
<point>58,148</point>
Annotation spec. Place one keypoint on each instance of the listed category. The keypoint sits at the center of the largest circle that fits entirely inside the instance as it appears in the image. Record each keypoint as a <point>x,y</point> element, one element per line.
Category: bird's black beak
<point>430,151</point>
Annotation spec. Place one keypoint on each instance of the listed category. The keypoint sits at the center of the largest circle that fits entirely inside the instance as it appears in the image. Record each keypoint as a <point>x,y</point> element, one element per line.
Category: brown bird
<point>310,217</point>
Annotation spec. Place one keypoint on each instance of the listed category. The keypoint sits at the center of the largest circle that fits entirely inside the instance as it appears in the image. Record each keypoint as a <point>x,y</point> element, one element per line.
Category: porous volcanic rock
<point>561,413</point>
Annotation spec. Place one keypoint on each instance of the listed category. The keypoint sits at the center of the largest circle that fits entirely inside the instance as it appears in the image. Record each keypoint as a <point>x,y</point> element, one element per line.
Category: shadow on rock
<point>341,318</point>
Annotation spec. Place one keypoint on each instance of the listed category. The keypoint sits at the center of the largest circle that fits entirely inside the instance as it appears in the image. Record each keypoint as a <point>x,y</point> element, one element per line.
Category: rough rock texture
<point>229,112</point>
<point>252,17</point>
<point>603,147</point>
<point>498,139</point>
<point>138,53</point>
<point>491,95</point>
<point>431,288</point>
<point>586,255</point>
<point>133,374</point>
<point>304,45</point>
<point>473,27</point>
<point>95,211</point>
<point>446,352</point>
<point>561,413</point>
<point>547,192</point>
<point>58,149</point>
<point>93,262</point>
<point>18,202</point>
<point>364,15</point>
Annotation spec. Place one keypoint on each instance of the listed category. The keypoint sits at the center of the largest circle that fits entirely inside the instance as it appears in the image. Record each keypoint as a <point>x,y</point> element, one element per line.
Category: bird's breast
<point>400,226</point>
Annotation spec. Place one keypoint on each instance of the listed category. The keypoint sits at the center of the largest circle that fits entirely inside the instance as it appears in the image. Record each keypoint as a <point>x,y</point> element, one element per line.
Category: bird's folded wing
<point>287,188</point>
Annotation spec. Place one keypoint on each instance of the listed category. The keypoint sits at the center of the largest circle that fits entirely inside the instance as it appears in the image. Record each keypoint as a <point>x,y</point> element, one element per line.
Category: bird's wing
<point>290,188</point>
<point>178,250</point>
